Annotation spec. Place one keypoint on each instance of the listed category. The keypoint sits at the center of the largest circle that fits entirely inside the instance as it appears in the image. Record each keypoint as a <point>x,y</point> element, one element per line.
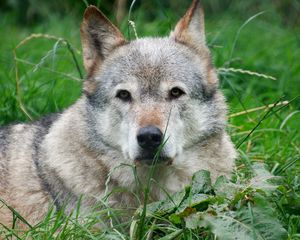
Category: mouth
<point>153,160</point>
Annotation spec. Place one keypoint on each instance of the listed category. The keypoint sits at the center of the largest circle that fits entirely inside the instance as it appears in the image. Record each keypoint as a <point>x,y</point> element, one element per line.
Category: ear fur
<point>98,37</point>
<point>190,28</point>
<point>190,31</point>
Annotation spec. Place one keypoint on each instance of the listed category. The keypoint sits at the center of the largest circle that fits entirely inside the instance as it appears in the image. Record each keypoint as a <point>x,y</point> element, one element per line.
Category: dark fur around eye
<point>176,93</point>
<point>124,95</point>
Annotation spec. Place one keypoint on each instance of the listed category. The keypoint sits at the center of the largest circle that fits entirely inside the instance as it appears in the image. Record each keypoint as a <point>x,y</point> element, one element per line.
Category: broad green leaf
<point>263,179</point>
<point>194,221</point>
<point>223,187</point>
<point>226,227</point>
<point>197,202</point>
<point>175,218</point>
<point>166,206</point>
<point>257,222</point>
<point>201,182</point>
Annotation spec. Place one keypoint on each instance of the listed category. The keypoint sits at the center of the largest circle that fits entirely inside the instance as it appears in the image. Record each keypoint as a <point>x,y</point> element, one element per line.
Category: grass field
<point>257,57</point>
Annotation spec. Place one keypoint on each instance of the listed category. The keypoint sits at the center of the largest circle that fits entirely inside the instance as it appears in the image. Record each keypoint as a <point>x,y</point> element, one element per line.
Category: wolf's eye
<point>176,93</point>
<point>124,95</point>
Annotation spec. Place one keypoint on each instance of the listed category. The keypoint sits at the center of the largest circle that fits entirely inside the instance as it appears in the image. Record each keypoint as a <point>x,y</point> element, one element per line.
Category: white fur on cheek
<point>108,127</point>
<point>197,124</point>
<point>129,147</point>
<point>174,135</point>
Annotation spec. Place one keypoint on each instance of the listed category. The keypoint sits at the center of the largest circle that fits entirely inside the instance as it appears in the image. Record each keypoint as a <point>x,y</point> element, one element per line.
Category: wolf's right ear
<point>98,37</point>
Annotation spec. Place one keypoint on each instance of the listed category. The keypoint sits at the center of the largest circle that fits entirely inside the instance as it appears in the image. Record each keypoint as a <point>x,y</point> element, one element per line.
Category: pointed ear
<point>98,36</point>
<point>190,28</point>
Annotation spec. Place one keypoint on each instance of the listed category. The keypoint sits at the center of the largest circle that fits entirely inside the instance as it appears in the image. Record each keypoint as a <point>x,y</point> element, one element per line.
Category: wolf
<point>144,102</point>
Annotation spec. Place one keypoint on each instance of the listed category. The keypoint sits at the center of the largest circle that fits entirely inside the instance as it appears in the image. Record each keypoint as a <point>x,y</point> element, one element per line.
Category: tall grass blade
<point>239,32</point>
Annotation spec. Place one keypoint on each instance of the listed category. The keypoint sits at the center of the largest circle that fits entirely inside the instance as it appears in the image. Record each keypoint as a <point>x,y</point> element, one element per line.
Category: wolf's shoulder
<point>45,122</point>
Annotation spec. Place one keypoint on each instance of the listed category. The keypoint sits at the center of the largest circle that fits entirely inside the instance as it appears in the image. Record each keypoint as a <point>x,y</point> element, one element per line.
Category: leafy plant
<point>225,210</point>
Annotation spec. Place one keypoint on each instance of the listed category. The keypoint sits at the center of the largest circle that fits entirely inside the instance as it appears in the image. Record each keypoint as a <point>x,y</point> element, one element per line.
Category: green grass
<point>49,81</point>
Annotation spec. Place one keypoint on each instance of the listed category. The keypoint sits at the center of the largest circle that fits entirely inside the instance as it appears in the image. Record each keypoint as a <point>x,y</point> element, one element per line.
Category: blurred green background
<point>33,11</point>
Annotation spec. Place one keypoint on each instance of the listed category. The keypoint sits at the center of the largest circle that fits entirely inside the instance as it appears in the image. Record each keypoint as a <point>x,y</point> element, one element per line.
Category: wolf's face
<point>150,92</point>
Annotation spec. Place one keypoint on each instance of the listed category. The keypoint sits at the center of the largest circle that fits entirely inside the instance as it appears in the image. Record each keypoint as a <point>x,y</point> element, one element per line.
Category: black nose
<point>149,137</point>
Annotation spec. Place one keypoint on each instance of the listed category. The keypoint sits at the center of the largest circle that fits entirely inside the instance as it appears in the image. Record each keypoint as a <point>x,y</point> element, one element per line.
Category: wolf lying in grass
<point>138,96</point>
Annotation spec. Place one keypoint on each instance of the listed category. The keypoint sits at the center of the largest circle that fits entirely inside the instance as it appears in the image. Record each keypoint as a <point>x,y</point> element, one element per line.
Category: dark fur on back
<point>49,179</point>
<point>4,142</point>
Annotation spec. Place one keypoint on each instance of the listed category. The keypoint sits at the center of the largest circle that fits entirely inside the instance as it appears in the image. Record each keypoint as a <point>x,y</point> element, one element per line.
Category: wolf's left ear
<point>190,28</point>
<point>191,32</point>
<point>98,36</point>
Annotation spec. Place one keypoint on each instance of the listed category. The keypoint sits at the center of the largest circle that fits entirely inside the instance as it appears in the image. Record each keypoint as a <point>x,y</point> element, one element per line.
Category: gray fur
<point>4,142</point>
<point>72,154</point>
<point>4,135</point>
<point>49,179</point>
